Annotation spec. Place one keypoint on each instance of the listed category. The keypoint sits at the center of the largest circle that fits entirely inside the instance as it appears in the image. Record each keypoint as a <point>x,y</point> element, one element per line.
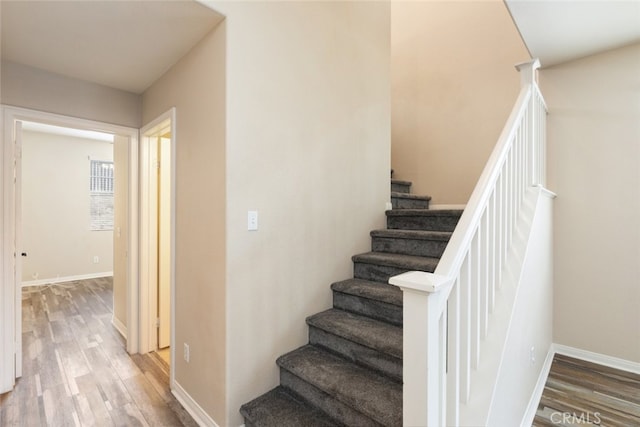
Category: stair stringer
<point>503,384</point>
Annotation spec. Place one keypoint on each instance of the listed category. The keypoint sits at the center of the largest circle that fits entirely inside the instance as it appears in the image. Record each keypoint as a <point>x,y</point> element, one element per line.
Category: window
<point>101,194</point>
<point>101,177</point>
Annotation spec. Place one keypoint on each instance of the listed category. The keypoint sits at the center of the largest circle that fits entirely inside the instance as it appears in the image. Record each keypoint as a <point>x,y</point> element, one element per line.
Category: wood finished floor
<point>585,393</point>
<point>76,371</point>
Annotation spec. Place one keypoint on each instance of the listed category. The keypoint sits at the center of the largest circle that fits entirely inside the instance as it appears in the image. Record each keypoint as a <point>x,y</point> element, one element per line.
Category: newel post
<point>528,71</point>
<point>424,341</point>
<point>528,78</point>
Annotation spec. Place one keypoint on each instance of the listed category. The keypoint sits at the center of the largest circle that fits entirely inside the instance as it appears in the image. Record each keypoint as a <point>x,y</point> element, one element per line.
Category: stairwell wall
<point>308,131</point>
<point>195,86</point>
<point>453,85</point>
<point>594,167</point>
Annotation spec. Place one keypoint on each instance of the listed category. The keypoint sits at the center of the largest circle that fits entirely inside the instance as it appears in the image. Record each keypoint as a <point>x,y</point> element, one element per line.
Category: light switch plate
<point>252,220</point>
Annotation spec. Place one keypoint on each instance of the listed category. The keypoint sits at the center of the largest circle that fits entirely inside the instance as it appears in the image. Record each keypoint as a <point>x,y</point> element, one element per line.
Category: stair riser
<point>431,223</point>
<point>401,188</point>
<point>375,273</point>
<point>367,307</point>
<point>324,401</point>
<point>402,203</point>
<point>365,356</point>
<point>419,247</point>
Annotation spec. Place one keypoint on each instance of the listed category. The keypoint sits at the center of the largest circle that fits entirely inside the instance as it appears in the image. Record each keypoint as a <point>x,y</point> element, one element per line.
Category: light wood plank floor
<point>76,371</point>
<point>585,393</point>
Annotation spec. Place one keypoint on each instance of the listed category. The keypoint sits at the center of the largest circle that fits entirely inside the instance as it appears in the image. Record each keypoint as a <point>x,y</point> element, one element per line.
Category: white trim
<point>199,415</point>
<point>446,207</point>
<point>17,243</point>
<point>147,317</point>
<point>546,192</point>
<point>536,395</point>
<point>8,305</point>
<point>64,279</point>
<point>600,359</point>
<point>133,269</point>
<point>120,327</point>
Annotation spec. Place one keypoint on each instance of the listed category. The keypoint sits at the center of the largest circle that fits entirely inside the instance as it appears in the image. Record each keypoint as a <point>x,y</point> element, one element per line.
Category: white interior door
<point>149,243</point>
<point>157,228</point>
<point>164,242</point>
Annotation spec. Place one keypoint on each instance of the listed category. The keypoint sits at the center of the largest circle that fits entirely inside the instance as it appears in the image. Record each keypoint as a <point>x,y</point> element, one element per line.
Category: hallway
<point>76,370</point>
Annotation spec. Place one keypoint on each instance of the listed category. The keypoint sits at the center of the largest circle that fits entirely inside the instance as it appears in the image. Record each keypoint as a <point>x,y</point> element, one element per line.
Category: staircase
<point>350,372</point>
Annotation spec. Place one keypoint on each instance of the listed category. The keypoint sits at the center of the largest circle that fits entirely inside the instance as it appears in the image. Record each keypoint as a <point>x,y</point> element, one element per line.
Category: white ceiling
<point>129,44</point>
<point>557,31</point>
<point>122,44</point>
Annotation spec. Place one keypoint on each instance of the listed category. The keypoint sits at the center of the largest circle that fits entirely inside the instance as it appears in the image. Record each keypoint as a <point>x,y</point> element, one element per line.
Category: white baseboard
<point>120,327</point>
<point>601,359</point>
<point>199,415</point>
<point>532,407</point>
<point>55,280</point>
<point>448,207</point>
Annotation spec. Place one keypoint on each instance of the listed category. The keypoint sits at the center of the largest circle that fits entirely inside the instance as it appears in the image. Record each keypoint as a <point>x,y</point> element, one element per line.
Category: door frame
<point>10,298</point>
<point>148,293</point>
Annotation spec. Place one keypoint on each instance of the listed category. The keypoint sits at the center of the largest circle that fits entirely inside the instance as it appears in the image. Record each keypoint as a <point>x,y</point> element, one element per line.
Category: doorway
<point>157,218</point>
<point>70,206</point>
<point>11,249</point>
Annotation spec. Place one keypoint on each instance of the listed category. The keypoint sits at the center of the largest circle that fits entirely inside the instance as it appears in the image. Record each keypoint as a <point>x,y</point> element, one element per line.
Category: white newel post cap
<point>420,281</point>
<point>528,71</point>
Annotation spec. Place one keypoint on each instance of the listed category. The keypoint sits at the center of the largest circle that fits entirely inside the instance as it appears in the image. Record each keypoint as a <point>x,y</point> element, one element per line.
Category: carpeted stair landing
<point>350,373</point>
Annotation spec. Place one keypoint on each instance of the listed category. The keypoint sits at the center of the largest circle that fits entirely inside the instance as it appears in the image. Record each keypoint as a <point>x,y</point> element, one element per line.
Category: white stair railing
<point>447,313</point>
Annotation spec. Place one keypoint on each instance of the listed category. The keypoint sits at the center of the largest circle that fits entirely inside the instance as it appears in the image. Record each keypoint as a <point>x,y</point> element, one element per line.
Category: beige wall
<point>121,228</point>
<point>308,130</point>
<point>27,87</point>
<point>55,207</point>
<point>594,167</point>
<point>195,87</point>
<point>453,85</point>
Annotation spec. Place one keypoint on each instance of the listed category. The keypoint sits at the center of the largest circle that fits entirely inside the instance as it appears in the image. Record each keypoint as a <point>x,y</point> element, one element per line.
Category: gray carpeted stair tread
<point>423,219</point>
<point>372,299</point>
<point>368,332</point>
<point>373,395</point>
<point>278,408</point>
<point>400,186</point>
<point>370,290</point>
<point>399,195</point>
<point>422,243</point>
<point>442,236</point>
<point>426,212</point>
<point>401,182</point>
<point>410,262</point>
